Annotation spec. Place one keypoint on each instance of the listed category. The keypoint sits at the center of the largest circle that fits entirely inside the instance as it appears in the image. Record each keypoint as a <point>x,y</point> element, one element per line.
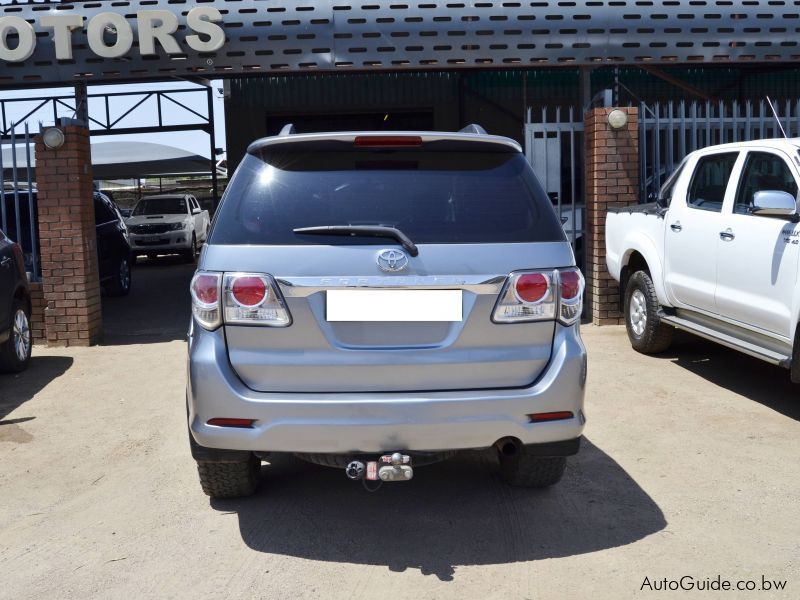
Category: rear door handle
<point>676,226</point>
<point>726,235</point>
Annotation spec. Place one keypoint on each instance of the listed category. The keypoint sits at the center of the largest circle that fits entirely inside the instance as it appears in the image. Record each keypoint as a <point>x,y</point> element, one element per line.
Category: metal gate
<point>668,132</point>
<point>554,148</point>
<point>18,215</point>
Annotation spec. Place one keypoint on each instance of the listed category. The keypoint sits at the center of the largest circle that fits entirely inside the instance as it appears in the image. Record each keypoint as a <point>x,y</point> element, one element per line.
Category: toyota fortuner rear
<point>377,301</point>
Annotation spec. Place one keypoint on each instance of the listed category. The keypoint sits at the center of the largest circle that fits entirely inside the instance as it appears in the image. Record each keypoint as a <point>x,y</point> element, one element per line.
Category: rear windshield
<point>161,206</point>
<point>434,197</point>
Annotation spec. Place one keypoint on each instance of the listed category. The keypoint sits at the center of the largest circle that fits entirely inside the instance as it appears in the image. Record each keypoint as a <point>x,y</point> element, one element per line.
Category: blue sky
<point>194,141</point>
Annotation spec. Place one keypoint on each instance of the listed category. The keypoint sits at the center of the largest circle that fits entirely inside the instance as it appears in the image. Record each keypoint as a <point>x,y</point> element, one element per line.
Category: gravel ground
<point>689,468</point>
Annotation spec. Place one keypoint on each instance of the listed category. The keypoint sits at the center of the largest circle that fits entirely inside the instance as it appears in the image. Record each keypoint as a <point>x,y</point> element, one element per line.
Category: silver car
<point>378,301</point>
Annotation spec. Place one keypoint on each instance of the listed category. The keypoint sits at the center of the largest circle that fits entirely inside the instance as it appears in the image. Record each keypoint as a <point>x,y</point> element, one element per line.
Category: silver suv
<point>377,301</point>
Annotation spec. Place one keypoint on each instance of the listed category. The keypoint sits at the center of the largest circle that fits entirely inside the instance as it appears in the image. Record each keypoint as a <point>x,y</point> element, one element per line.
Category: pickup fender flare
<point>638,242</point>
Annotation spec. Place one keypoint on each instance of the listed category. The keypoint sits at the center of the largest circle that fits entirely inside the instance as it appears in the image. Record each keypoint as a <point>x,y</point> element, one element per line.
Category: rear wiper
<point>365,230</point>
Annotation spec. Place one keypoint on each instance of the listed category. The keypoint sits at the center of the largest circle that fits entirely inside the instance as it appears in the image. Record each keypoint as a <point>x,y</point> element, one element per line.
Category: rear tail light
<point>253,299</point>
<point>570,305</point>
<point>541,296</point>
<point>205,291</point>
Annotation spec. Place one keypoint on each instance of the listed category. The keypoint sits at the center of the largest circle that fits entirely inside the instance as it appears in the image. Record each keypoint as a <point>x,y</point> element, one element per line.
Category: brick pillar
<point>612,179</point>
<point>70,279</point>
<point>37,312</point>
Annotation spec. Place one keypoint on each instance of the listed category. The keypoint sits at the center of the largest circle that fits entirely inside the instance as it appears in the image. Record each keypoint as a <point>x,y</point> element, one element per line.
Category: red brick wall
<point>70,279</point>
<point>37,312</point>
<point>612,179</point>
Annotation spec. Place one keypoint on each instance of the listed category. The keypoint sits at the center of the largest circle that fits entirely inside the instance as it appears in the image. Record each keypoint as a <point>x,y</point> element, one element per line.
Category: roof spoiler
<point>473,128</point>
<point>288,129</point>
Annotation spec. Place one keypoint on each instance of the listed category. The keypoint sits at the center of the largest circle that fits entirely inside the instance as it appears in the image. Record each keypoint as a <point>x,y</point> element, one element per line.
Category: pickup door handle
<point>676,226</point>
<point>726,235</point>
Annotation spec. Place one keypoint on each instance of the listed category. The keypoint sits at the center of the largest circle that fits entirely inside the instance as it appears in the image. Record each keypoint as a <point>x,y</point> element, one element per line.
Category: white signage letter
<point>149,32</point>
<point>62,26</point>
<point>27,39</point>
<point>109,21</point>
<point>202,20</point>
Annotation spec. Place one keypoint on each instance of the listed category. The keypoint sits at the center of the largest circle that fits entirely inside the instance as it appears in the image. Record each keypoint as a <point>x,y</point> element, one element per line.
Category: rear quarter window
<point>433,196</point>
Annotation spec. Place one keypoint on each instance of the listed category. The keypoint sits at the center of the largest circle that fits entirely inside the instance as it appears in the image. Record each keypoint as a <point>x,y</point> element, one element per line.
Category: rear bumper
<point>375,422</point>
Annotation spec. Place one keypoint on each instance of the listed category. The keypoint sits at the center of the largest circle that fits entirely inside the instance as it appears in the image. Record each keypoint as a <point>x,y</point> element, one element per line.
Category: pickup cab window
<point>763,171</point>
<point>710,180</point>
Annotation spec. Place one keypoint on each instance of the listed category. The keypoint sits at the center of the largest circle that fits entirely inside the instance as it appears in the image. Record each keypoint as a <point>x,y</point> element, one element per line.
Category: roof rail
<point>288,129</point>
<point>473,128</point>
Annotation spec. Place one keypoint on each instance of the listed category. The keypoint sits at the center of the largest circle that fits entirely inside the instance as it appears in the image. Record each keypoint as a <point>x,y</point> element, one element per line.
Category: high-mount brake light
<point>387,141</point>
<point>541,296</point>
<point>253,299</point>
<point>204,289</point>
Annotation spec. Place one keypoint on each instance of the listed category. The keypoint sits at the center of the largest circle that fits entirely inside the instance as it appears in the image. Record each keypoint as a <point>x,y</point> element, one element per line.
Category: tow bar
<point>389,467</point>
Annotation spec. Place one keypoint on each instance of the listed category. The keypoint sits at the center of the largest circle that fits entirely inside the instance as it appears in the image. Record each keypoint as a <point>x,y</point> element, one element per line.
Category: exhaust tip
<point>508,446</point>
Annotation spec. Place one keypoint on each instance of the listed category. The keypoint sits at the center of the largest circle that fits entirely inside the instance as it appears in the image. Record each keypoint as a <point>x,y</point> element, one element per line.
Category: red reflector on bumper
<point>550,416</point>
<point>219,422</point>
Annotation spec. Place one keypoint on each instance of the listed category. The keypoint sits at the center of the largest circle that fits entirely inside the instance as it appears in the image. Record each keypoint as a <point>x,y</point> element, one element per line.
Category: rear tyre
<point>15,352</point>
<point>523,470</point>
<point>190,255</point>
<point>120,285</point>
<point>646,332</point>
<point>229,479</point>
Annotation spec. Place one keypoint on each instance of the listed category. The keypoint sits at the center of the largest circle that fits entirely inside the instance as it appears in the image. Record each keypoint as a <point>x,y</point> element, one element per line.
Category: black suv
<point>113,247</point>
<point>15,309</point>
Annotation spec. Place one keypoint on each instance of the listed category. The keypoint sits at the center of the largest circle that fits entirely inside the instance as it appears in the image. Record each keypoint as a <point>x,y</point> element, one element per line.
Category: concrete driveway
<point>690,468</point>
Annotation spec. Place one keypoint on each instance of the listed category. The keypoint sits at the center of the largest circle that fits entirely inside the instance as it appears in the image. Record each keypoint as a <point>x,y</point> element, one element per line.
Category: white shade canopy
<point>123,160</point>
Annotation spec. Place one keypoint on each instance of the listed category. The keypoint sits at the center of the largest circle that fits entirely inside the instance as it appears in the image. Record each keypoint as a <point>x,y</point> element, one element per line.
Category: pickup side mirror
<point>774,203</point>
<point>196,211</point>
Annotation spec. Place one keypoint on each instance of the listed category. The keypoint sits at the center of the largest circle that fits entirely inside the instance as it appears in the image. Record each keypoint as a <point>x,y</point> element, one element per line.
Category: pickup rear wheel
<point>190,255</point>
<point>646,332</point>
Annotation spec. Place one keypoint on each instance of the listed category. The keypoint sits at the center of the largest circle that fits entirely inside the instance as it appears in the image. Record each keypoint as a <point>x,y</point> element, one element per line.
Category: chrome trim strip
<point>301,287</point>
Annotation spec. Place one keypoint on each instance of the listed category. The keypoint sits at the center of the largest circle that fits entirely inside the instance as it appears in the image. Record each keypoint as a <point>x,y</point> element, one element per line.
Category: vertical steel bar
<point>558,145</point>
<point>656,180</point>
<point>642,153</point>
<point>213,144</point>
<point>670,148</point>
<point>693,119</point>
<point>748,120</point>
<point>31,213</point>
<point>15,180</point>
<point>682,139</point>
<point>762,133</point>
<point>572,125</point>
<point>3,224</point>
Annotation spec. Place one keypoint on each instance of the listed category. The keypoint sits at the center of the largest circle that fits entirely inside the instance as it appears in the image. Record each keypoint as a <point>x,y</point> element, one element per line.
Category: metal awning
<point>383,35</point>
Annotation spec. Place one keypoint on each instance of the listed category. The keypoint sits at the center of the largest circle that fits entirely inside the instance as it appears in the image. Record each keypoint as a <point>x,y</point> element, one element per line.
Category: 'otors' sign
<point>110,35</point>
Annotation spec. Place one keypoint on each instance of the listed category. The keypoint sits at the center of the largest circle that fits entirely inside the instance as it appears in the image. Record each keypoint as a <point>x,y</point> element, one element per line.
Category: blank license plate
<point>394,305</point>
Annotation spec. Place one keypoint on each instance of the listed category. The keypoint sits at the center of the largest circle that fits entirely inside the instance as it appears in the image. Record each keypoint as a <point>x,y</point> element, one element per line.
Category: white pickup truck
<point>168,224</point>
<point>717,254</point>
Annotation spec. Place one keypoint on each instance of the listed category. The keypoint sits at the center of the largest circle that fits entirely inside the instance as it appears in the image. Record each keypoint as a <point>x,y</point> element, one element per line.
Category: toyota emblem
<point>392,260</point>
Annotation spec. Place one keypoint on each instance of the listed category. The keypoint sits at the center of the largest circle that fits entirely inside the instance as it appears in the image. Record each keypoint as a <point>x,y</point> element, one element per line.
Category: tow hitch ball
<point>389,467</point>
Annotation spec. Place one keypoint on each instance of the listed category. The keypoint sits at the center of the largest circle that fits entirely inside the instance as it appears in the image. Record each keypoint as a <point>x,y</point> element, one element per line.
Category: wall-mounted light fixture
<point>617,118</point>
<point>53,138</point>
